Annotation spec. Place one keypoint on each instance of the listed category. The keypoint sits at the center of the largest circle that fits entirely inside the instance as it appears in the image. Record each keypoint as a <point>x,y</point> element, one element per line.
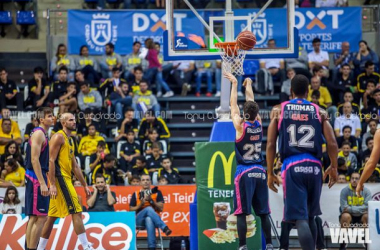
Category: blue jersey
<point>300,129</point>
<point>248,146</point>
<point>44,155</point>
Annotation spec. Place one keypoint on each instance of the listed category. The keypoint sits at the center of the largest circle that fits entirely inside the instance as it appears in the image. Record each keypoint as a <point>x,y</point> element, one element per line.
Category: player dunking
<point>251,189</point>
<point>37,166</point>
<point>300,125</point>
<point>64,199</point>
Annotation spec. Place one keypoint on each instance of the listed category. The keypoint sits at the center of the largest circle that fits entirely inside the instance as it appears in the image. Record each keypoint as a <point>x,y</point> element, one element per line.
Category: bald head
<point>68,121</point>
<point>347,108</point>
<point>345,46</point>
<point>315,83</point>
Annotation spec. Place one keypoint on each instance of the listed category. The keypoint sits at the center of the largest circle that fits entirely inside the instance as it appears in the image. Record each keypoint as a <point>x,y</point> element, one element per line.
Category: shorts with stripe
<point>35,203</point>
<point>251,190</point>
<point>302,184</point>
<point>66,202</point>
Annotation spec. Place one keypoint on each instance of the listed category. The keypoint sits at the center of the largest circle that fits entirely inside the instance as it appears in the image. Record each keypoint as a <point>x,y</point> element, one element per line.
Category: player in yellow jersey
<point>64,199</point>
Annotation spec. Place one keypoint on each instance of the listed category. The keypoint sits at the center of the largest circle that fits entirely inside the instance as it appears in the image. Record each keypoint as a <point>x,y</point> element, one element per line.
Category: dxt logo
<point>153,22</point>
<point>319,20</point>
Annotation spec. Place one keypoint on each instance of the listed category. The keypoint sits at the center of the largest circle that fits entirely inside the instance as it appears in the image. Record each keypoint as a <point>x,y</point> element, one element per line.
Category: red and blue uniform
<point>251,188</point>
<point>35,203</point>
<point>300,146</point>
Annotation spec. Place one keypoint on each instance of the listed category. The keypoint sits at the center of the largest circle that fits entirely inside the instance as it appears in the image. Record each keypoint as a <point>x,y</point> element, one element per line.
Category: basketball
<point>246,40</point>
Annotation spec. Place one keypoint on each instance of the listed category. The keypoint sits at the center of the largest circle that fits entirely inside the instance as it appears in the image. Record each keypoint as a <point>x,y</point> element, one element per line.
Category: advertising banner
<point>217,226</point>
<point>332,25</point>
<point>176,212</point>
<point>104,230</point>
<point>330,203</point>
<point>374,224</point>
<point>97,28</point>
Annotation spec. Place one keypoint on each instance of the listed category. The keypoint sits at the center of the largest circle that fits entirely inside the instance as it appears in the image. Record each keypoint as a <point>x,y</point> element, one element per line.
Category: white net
<point>232,57</point>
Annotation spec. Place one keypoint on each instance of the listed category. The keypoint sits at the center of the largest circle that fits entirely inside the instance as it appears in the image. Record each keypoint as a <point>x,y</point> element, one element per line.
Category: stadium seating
<point>5,19</point>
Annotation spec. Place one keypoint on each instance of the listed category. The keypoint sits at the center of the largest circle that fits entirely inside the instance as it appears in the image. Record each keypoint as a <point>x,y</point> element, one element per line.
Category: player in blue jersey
<point>37,166</point>
<point>251,188</point>
<point>300,126</point>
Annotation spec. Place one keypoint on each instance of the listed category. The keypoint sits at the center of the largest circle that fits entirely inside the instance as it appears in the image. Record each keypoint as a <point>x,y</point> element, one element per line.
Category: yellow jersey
<point>63,162</point>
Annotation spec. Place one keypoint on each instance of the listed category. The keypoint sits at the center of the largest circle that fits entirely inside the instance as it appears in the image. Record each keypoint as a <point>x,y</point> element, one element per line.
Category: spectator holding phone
<point>148,203</point>
<point>97,158</point>
<point>102,198</point>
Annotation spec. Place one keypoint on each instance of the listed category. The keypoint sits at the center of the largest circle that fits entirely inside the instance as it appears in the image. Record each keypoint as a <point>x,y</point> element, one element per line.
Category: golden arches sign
<point>227,167</point>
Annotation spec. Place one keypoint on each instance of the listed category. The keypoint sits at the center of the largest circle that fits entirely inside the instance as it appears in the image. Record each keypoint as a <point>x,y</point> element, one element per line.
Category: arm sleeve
<point>165,133</point>
<point>375,58</point>
<point>99,100</point>
<point>160,197</point>
<point>72,63</point>
<point>18,209</point>
<point>358,125</point>
<point>53,64</point>
<point>327,96</point>
<point>118,59</point>
<point>336,125</point>
<point>133,200</point>
<point>81,104</point>
<point>153,100</point>
<point>343,199</point>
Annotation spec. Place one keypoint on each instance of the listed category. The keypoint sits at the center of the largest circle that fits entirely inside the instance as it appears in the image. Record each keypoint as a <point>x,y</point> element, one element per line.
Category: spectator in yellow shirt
<point>7,136</point>
<point>13,174</point>
<point>6,114</point>
<point>88,144</point>
<point>325,99</point>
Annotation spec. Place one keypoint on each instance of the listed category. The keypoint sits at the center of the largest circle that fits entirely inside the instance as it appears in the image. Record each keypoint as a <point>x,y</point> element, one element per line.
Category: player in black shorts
<point>299,124</point>
<point>251,188</point>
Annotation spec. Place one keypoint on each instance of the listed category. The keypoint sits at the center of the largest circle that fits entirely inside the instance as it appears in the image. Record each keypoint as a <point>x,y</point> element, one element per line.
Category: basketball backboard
<point>223,20</point>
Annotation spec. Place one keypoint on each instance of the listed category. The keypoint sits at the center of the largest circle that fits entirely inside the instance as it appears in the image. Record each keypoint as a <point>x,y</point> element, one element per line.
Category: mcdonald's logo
<point>227,167</point>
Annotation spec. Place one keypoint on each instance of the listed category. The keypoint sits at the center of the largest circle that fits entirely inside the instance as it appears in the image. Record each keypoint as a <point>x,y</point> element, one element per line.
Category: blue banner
<point>105,230</point>
<point>332,25</point>
<point>95,29</point>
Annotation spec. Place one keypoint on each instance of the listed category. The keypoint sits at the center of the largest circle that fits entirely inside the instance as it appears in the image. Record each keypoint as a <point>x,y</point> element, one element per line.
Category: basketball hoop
<point>232,56</point>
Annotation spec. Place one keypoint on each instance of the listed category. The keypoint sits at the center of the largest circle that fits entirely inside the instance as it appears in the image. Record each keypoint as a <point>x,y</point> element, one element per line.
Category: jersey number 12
<point>305,142</point>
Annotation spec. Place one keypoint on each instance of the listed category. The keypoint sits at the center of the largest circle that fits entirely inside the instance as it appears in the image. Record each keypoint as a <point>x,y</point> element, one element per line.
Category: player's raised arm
<point>235,111</point>
<point>371,164</point>
<point>249,96</point>
<point>55,144</point>
<point>332,148</point>
<point>271,146</point>
<point>37,142</point>
<point>78,173</point>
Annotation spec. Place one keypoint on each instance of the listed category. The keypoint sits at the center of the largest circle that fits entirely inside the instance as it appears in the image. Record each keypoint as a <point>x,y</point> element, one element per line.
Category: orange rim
<point>226,44</point>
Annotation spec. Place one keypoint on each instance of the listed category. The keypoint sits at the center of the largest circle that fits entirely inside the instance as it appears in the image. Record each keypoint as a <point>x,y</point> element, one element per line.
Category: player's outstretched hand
<point>359,189</point>
<point>247,81</point>
<point>44,190</point>
<point>333,175</point>
<point>230,77</point>
<point>87,190</point>
<point>272,180</point>
<point>53,191</point>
